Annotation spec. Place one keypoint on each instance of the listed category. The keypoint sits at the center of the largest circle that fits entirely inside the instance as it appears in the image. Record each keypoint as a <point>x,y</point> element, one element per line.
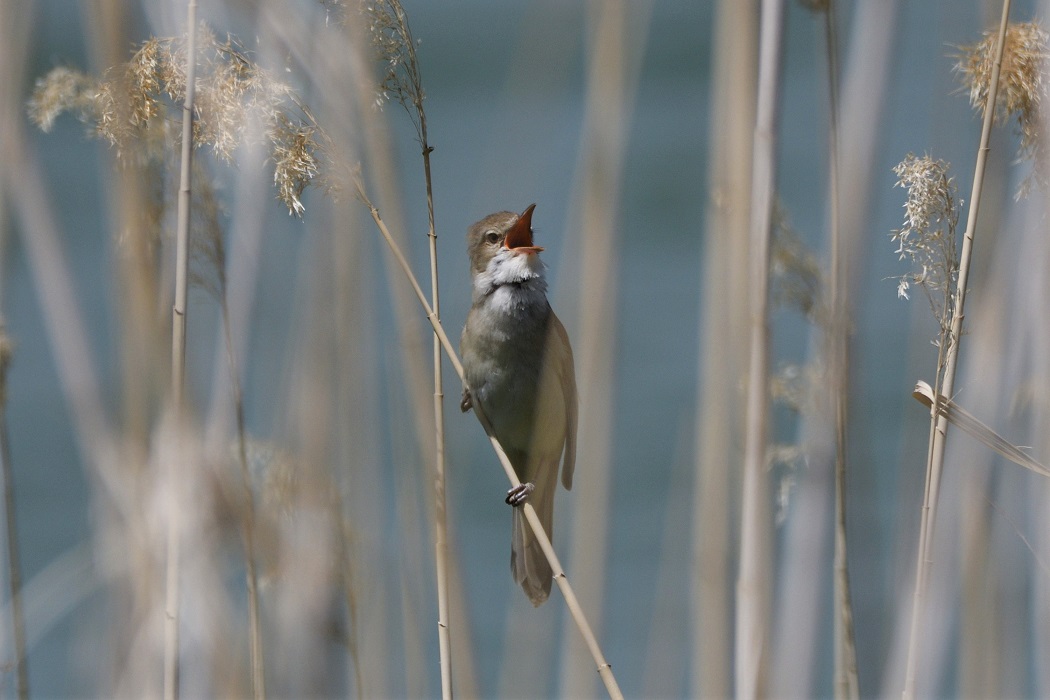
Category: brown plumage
<point>519,370</point>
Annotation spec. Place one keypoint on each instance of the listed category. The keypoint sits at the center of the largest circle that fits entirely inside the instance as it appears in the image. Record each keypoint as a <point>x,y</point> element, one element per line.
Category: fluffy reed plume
<point>796,283</point>
<point>133,106</point>
<point>395,49</point>
<point>796,279</point>
<point>793,387</point>
<point>927,238</point>
<point>1022,86</point>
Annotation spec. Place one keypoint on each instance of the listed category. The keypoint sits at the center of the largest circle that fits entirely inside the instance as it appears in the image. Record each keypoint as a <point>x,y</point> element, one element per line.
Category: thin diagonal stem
<point>938,422</point>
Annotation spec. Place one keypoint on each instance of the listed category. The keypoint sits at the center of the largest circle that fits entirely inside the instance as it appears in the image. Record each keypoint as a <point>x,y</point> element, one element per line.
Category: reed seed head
<point>1022,87</point>
<point>927,236</point>
<point>136,107</point>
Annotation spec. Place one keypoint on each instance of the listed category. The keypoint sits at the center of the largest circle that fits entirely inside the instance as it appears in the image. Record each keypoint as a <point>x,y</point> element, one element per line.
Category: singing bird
<point>519,373</point>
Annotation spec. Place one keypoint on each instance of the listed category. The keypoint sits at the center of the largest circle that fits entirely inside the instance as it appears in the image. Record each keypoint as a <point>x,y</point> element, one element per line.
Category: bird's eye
<point>491,237</point>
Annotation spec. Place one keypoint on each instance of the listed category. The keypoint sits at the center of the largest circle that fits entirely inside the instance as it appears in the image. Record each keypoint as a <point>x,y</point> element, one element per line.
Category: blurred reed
<point>13,34</point>
<point>723,343</point>
<point>617,36</point>
<point>755,574</point>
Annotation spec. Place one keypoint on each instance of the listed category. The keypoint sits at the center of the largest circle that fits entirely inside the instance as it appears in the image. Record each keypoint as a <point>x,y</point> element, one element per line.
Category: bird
<point>518,371</point>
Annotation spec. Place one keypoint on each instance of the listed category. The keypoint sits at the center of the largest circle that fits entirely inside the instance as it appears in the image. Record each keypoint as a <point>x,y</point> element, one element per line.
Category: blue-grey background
<point>505,98</point>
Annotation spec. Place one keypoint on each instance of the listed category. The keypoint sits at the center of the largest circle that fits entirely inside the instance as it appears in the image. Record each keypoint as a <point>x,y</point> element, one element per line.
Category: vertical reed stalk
<point>248,524</point>
<point>14,566</point>
<point>846,681</point>
<point>616,43</point>
<point>440,520</point>
<point>12,56</point>
<point>14,560</point>
<point>398,47</point>
<point>863,98</point>
<point>178,351</point>
<point>754,580</point>
<point>723,337</point>
<point>938,422</point>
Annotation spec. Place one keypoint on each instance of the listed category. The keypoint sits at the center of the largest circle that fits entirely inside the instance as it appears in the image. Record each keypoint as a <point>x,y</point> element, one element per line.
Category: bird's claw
<point>467,402</point>
<point>518,495</point>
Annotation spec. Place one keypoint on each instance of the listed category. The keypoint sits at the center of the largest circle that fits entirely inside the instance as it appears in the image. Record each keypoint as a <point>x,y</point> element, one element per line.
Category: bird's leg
<point>519,494</point>
<point>467,402</point>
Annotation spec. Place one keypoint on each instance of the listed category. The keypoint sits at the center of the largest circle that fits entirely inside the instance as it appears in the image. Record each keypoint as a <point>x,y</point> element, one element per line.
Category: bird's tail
<point>528,564</point>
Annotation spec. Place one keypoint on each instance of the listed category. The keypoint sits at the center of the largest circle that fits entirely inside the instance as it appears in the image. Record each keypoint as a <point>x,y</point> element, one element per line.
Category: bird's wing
<point>561,351</point>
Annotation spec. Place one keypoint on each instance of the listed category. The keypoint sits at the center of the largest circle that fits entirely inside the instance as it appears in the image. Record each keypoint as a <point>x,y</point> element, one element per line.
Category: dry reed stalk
<point>820,483</point>
<point>403,81</point>
<point>14,568</point>
<point>979,667</point>
<point>995,641</point>
<point>1041,377</point>
<point>723,338</point>
<point>666,647</point>
<point>207,247</point>
<point>603,667</point>
<point>938,423</point>
<point>135,231</point>
<point>13,45</point>
<point>248,518</point>
<point>178,351</point>
<point>440,520</point>
<point>617,39</point>
<point>754,582</point>
<point>234,290</point>
<point>846,681</point>
<point>863,97</point>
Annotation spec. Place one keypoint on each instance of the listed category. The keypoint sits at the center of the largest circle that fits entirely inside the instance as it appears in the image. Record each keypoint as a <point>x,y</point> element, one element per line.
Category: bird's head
<point>501,249</point>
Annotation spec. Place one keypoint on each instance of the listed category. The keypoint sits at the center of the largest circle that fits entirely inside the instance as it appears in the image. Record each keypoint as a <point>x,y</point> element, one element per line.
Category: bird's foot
<point>519,494</point>
<point>467,402</point>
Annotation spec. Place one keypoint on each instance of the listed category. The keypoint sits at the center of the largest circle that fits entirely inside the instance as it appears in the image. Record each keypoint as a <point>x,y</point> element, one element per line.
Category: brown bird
<point>519,372</point>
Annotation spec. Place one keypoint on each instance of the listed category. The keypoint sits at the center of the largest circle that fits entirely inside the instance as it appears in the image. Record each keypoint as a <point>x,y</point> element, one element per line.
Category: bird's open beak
<point>519,238</point>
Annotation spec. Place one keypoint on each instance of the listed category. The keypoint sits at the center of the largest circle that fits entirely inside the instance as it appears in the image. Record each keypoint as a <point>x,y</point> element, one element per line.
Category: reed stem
<point>440,519</point>
<point>14,566</point>
<point>754,580</point>
<point>938,422</point>
<point>846,680</point>
<point>178,353</point>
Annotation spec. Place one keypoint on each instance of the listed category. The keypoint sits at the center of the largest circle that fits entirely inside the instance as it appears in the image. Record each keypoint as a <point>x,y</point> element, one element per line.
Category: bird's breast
<point>503,349</point>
